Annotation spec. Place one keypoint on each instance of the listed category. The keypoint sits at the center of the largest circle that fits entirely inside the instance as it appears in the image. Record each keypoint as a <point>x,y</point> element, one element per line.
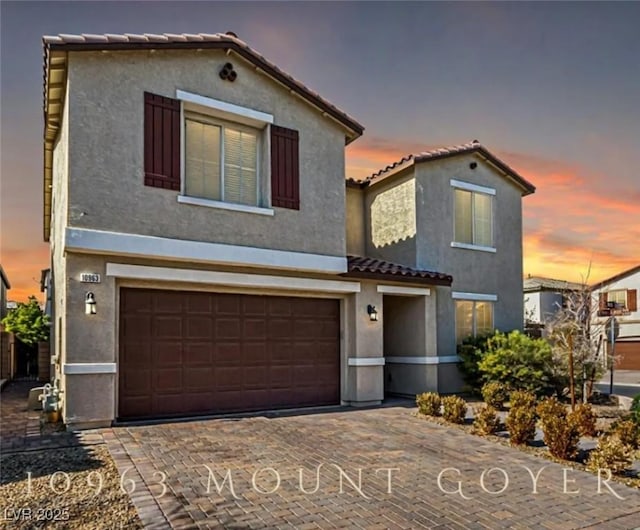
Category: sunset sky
<point>552,88</point>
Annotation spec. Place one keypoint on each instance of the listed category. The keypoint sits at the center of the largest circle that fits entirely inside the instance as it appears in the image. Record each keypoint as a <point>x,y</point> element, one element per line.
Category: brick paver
<point>351,452</point>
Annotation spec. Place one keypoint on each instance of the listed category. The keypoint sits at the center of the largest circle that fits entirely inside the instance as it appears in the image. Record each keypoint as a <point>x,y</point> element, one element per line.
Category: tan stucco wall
<point>355,222</point>
<point>94,338</point>
<point>390,219</point>
<point>106,153</point>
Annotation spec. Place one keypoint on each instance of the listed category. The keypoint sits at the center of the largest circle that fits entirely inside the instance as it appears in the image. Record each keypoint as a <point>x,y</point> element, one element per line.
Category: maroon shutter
<point>285,170</point>
<point>632,300</point>
<point>161,142</point>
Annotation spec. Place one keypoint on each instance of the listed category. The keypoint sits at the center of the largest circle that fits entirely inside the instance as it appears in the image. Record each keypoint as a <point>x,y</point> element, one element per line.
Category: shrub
<point>584,419</point>
<point>627,431</point>
<point>561,435</point>
<point>428,403</point>
<point>471,351</point>
<point>610,454</point>
<point>520,399</point>
<point>635,409</point>
<point>494,394</point>
<point>519,361</point>
<point>521,424</point>
<point>454,409</point>
<point>550,408</point>
<point>486,420</point>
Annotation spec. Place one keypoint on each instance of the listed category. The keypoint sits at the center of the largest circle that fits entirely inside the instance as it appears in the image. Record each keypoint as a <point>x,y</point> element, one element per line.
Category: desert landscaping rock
<point>64,490</point>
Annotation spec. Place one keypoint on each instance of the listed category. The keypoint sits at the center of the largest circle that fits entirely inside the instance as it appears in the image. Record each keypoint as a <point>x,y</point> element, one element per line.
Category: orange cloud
<point>23,267</point>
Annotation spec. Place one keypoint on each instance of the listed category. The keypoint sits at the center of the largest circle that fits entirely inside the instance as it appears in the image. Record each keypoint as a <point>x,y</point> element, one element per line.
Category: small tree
<point>576,353</point>
<point>28,322</point>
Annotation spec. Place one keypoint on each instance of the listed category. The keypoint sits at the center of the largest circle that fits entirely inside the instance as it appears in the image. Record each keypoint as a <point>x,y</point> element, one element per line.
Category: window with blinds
<point>221,160</point>
<point>473,218</point>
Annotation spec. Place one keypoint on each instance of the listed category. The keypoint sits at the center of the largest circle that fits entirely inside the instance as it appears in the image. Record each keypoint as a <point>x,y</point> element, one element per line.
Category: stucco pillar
<point>365,357</point>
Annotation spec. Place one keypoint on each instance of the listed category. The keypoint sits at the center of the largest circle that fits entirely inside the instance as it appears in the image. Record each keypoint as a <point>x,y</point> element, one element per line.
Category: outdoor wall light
<point>373,314</point>
<point>90,304</point>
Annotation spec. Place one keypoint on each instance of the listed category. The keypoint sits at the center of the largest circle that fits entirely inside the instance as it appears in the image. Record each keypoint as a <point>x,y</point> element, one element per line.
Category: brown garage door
<point>187,353</point>
<point>629,355</point>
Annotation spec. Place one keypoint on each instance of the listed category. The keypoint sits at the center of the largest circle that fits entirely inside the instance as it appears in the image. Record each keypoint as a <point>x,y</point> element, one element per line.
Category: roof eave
<point>397,278</point>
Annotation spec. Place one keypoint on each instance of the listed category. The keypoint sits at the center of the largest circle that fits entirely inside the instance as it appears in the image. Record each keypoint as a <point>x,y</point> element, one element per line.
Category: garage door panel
<point>167,353</point>
<point>197,353</point>
<point>628,355</point>
<point>168,380</point>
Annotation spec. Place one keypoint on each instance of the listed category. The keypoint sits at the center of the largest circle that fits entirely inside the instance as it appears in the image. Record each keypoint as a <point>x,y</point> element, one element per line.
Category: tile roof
<point>116,41</point>
<point>375,268</point>
<point>538,283</point>
<point>445,152</point>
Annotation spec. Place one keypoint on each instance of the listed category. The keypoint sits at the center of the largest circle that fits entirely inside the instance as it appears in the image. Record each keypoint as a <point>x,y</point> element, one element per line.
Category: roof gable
<point>617,277</point>
<point>446,152</point>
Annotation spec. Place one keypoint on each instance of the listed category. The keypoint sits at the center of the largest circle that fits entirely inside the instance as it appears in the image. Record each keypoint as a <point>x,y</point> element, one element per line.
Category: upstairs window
<point>221,160</point>
<point>473,223</point>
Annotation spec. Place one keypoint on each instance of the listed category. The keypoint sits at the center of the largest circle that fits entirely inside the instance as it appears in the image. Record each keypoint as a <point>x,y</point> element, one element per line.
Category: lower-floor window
<point>473,318</point>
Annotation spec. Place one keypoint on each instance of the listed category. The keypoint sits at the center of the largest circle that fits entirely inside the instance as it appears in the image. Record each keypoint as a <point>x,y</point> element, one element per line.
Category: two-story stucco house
<point>618,296</point>
<point>544,297</point>
<point>456,209</point>
<point>195,206</point>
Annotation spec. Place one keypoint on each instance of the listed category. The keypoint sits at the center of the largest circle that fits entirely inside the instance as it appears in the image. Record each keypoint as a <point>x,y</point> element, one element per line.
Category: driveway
<point>387,460</point>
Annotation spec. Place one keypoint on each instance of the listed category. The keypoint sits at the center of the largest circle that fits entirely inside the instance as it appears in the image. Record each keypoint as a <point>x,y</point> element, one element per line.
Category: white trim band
<point>456,295</point>
<point>444,359</point>
<point>468,246</point>
<point>227,110</point>
<point>257,281</point>
<point>460,184</point>
<point>88,368</point>
<point>123,244</point>
<point>197,201</point>
<point>366,361</point>
<point>407,291</point>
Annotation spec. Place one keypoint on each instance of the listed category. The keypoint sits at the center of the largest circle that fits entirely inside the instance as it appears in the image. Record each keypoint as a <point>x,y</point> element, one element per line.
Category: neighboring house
<point>458,210</point>
<point>195,205</point>
<point>544,297</point>
<point>45,287</point>
<point>618,296</point>
<point>4,287</point>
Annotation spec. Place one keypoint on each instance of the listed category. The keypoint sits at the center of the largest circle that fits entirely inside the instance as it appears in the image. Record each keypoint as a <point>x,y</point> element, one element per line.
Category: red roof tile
<point>444,152</point>
<point>370,267</point>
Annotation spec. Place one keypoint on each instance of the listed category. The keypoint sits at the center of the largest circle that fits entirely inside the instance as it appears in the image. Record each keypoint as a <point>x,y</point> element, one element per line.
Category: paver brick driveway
<point>174,455</point>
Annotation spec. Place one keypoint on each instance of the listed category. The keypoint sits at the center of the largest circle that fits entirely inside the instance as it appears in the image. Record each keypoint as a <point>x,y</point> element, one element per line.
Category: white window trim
<point>467,246</point>
<point>458,295</point>
<point>234,279</point>
<point>472,187</point>
<point>252,117</point>
<point>236,207</point>
<point>406,291</point>
<point>123,244</point>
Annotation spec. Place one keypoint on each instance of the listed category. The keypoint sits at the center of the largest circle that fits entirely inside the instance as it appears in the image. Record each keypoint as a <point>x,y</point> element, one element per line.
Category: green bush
<point>627,431</point>
<point>584,419</point>
<point>486,421</point>
<point>454,409</point>
<point>561,435</point>
<point>519,361</point>
<point>494,394</point>
<point>635,409</point>
<point>520,399</point>
<point>550,408</point>
<point>471,352</point>
<point>610,454</point>
<point>428,403</point>
<point>521,424</point>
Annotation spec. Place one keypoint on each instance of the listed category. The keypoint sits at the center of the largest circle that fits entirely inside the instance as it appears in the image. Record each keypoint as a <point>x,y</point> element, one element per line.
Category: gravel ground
<point>85,505</point>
